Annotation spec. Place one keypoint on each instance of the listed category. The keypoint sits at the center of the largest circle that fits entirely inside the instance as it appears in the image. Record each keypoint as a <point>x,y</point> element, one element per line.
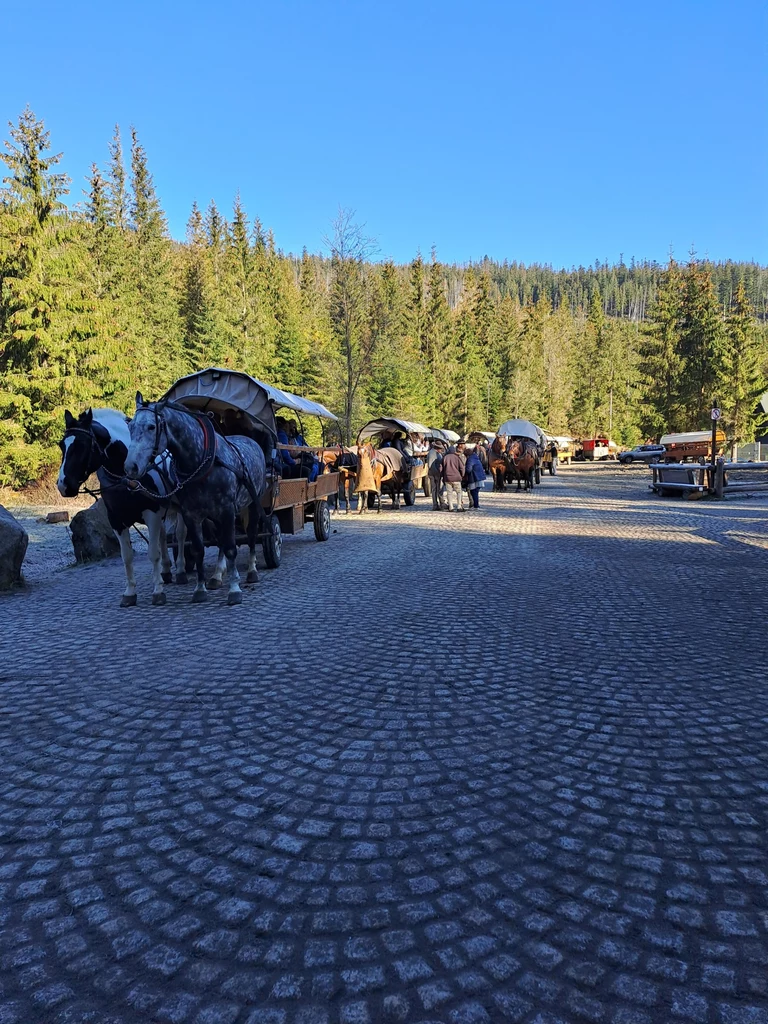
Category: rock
<point>13,547</point>
<point>57,517</point>
<point>92,536</point>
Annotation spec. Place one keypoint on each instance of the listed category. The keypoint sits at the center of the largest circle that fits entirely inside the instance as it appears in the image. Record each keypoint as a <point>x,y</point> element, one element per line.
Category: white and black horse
<point>97,442</point>
<point>216,478</point>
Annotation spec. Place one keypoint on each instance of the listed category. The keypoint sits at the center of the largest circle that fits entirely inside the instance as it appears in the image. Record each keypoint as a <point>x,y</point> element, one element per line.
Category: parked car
<point>643,453</point>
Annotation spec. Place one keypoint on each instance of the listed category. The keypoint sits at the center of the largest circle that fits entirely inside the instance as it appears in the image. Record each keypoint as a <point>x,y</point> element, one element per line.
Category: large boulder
<point>13,547</point>
<point>92,536</point>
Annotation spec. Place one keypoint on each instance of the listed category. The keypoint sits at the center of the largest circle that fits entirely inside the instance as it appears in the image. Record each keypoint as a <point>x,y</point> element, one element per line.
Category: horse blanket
<point>392,460</point>
<point>365,479</point>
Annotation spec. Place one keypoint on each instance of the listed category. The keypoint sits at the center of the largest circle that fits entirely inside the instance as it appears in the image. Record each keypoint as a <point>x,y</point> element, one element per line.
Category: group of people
<point>301,463</point>
<point>453,469</point>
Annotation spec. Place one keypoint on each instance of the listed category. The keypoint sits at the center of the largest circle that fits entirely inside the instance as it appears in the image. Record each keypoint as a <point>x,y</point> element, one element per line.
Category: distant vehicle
<point>696,444</point>
<point>596,449</point>
<point>643,453</point>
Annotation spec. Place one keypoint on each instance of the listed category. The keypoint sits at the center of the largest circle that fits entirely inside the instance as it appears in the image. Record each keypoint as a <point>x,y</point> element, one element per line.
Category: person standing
<point>435,471</point>
<point>475,475</point>
<point>453,474</point>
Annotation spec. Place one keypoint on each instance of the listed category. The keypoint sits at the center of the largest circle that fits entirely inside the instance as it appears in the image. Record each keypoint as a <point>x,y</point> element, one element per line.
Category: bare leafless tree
<point>350,250</point>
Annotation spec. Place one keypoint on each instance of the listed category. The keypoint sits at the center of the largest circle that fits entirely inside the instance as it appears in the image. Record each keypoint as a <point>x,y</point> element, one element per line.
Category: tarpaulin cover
<point>390,424</point>
<point>219,389</point>
<point>522,428</point>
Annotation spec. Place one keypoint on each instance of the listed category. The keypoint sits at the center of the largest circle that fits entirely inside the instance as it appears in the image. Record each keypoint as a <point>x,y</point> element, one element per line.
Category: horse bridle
<point>209,449</point>
<point>93,443</point>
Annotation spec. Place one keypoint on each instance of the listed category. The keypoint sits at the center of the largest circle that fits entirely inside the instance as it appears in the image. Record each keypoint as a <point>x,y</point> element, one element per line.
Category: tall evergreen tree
<point>46,316</point>
<point>744,379</point>
<point>701,344</point>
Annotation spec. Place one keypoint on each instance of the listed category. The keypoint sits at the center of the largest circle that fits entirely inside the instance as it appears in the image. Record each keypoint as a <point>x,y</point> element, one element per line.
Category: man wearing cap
<point>453,473</point>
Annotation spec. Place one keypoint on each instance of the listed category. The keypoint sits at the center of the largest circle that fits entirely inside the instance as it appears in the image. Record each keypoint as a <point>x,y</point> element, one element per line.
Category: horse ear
<point>88,417</point>
<point>69,419</point>
<point>139,400</point>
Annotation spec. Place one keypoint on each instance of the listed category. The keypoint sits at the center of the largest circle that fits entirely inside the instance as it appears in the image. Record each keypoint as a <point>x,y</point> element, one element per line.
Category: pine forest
<point>97,301</point>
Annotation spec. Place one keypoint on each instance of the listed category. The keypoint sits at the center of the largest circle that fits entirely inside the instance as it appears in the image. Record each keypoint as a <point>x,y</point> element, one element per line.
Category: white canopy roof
<point>389,423</point>
<point>444,434</point>
<point>217,388</point>
<point>692,437</point>
<point>522,428</point>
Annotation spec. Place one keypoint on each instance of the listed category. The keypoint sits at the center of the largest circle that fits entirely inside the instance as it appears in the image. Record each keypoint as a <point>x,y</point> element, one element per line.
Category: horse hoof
<point>235,597</point>
<point>166,577</point>
<point>158,599</point>
<point>252,577</point>
<point>213,583</point>
<point>199,596</point>
<point>128,601</point>
<point>181,579</point>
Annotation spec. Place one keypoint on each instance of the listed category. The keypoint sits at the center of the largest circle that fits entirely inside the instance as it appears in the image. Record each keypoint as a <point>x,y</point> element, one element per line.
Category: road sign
<point>716,414</point>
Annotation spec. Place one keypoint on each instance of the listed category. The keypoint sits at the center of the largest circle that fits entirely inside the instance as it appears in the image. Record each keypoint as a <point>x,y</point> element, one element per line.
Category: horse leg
<point>128,600</point>
<point>229,547</point>
<point>214,583</point>
<point>181,547</point>
<point>198,553</point>
<point>165,559</point>
<point>156,530</point>
<point>255,525</point>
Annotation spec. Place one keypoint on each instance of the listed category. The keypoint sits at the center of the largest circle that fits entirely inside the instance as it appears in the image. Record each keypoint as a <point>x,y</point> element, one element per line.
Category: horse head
<point>147,433</point>
<point>85,446</point>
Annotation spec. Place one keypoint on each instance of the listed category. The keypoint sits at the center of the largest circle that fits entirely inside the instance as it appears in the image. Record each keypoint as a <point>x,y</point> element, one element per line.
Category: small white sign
<point>716,414</point>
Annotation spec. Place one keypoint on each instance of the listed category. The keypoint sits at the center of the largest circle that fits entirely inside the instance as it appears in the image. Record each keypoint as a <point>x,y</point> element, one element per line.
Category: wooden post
<point>720,479</point>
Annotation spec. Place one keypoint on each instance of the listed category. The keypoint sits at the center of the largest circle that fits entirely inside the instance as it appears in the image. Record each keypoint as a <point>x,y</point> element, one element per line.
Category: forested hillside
<point>96,300</point>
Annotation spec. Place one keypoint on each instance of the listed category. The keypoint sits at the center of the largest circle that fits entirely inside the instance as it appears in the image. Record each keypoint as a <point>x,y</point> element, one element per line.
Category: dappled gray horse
<point>215,477</point>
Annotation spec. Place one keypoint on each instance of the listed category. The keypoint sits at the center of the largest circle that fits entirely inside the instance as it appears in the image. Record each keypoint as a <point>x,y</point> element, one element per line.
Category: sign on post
<point>716,413</point>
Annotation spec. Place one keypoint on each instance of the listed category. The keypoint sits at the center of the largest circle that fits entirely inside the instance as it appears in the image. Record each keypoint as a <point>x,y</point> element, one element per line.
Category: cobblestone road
<point>443,768</point>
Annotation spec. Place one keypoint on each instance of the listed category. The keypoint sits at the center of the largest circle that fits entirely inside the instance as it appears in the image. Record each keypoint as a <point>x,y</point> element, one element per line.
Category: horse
<point>97,442</point>
<point>216,477</point>
<point>369,477</point>
<point>523,455</point>
<point>498,462</point>
<point>343,461</point>
<point>397,472</point>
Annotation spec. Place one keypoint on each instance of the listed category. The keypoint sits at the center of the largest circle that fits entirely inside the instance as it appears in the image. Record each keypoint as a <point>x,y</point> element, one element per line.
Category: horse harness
<point>208,463</point>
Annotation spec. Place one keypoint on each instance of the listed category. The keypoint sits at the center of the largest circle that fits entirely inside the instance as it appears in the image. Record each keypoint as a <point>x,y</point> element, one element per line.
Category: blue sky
<point>550,132</point>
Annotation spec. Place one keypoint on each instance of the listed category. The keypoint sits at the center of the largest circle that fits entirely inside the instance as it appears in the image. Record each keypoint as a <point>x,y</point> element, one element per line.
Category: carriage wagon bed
<point>240,404</point>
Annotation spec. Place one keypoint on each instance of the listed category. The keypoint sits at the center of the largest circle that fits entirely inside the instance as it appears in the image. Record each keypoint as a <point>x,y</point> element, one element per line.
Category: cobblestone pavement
<point>505,766</point>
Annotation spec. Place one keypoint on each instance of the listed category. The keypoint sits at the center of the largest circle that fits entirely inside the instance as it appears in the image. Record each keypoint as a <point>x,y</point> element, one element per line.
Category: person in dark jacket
<point>435,470</point>
<point>453,474</point>
<point>474,475</point>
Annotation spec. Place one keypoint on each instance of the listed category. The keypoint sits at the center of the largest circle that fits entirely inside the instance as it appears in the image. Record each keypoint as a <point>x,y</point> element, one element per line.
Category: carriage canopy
<point>218,390</point>
<point>444,434</point>
<point>522,428</point>
<point>389,425</point>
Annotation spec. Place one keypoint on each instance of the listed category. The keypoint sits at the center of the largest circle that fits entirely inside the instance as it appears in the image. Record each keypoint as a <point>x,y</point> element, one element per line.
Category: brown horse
<point>498,462</point>
<point>371,473</point>
<point>523,456</point>
<point>343,461</point>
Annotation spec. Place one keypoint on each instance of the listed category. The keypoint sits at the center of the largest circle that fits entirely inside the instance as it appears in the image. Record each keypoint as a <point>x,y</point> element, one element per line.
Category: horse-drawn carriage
<point>402,445</point>
<point>241,405</point>
<point>516,454</point>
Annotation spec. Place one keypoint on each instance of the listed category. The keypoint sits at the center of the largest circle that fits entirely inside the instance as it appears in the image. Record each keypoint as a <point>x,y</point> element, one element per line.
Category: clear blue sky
<point>555,132</point>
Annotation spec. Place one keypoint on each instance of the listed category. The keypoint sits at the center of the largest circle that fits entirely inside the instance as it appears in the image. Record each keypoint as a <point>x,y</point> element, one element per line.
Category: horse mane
<point>115,423</point>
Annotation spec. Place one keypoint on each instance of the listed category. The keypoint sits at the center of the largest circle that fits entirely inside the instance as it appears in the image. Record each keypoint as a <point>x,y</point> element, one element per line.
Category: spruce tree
<point>701,345</point>
<point>46,314</point>
<point>744,380</point>
<point>661,358</point>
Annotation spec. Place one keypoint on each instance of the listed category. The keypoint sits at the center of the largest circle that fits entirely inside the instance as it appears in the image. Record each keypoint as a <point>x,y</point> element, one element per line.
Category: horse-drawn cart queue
<point>213,455</point>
